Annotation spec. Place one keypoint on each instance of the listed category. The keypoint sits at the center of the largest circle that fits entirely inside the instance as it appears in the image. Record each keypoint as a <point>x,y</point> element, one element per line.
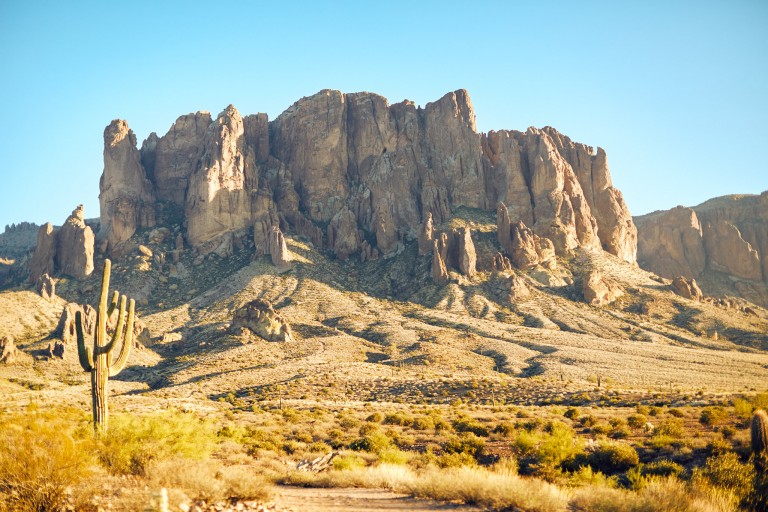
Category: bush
<point>671,427</point>
<point>637,421</point>
<point>661,467</point>
<point>713,415</point>
<point>398,419</point>
<point>571,413</point>
<point>373,442</point>
<point>725,471</point>
<point>610,458</point>
<point>470,425</point>
<point>466,443</point>
<point>133,442</point>
<point>40,459</point>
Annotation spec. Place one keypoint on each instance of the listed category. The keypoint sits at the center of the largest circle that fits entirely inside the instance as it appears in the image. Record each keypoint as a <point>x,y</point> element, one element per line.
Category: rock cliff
<point>68,250</point>
<point>721,243</point>
<point>359,177</point>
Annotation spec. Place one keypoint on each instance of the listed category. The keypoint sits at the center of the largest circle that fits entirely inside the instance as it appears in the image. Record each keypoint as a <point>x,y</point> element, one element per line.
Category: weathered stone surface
<point>518,290</point>
<point>43,258</point>
<point>343,236</point>
<point>467,254</point>
<point>126,196</point>
<point>259,317</point>
<point>339,165</point>
<point>671,243</point>
<point>426,235</point>
<point>686,288</point>
<point>723,237</point>
<point>278,249</point>
<point>8,350</point>
<point>439,269</point>
<point>176,156</point>
<point>599,291</point>
<point>65,330</point>
<point>501,263</point>
<point>46,285</point>
<point>56,349</point>
<point>218,199</point>
<point>74,246</point>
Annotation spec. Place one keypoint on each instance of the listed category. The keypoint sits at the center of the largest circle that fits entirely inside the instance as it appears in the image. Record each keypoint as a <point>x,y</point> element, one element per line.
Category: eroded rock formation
<point>259,317</point>
<point>722,243</point>
<point>68,250</point>
<point>358,176</point>
<point>8,350</point>
<point>599,291</point>
<point>687,288</point>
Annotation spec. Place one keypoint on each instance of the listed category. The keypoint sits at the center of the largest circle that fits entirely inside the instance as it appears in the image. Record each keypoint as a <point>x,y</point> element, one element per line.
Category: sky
<point>676,92</point>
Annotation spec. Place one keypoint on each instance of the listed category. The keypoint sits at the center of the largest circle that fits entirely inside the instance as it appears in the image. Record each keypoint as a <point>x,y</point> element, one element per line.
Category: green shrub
<point>373,442</point>
<point>637,421</point>
<point>677,413</point>
<point>713,415</point>
<point>467,443</point>
<point>726,471</point>
<point>571,413</point>
<point>399,419</point>
<point>670,427</point>
<point>376,417</point>
<point>135,441</point>
<point>466,424</point>
<point>611,458</point>
<point>661,467</point>
<point>743,408</point>
<point>504,428</point>
<point>348,462</point>
<point>423,423</point>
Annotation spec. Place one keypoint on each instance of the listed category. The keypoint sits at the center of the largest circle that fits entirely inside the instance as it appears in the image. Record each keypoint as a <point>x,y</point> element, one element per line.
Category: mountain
<point>722,243</point>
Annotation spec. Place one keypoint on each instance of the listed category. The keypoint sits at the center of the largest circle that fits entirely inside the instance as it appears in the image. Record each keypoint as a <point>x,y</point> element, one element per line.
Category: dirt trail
<point>300,499</point>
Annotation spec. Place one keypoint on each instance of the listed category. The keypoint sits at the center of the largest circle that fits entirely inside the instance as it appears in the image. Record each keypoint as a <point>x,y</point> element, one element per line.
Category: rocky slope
<point>355,175</point>
<point>722,243</point>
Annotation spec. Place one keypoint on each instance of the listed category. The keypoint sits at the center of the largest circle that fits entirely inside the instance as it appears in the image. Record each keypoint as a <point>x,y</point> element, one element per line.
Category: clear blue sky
<point>676,92</point>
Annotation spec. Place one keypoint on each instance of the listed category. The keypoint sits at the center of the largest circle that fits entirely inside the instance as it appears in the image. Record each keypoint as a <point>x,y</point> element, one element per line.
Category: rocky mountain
<point>722,243</point>
<point>356,176</point>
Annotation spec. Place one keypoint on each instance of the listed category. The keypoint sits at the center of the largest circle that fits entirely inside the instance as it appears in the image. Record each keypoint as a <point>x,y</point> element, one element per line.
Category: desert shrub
<point>662,467</point>
<point>209,480</point>
<point>504,428</point>
<point>394,456</point>
<point>348,422</point>
<point>587,421</point>
<point>600,428</point>
<point>742,408</point>
<point>636,421</point>
<point>135,441</point>
<point>376,417</point>
<point>465,443</point>
<point>726,471</point>
<point>713,415</point>
<point>466,424</point>
<point>423,423</point>
<point>348,462</point>
<point>373,442</point>
<point>619,432</point>
<point>677,413</point>
<point>670,427</point>
<point>571,413</point>
<point>398,419</point>
<point>40,458</point>
<point>610,458</point>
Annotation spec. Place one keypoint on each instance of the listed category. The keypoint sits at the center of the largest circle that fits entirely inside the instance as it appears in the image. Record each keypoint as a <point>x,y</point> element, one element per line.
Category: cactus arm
<point>107,349</point>
<point>113,304</point>
<point>117,366</point>
<point>86,356</point>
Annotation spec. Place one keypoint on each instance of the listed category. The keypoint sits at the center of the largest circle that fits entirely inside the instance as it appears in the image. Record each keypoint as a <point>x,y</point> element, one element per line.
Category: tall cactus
<point>99,359</point>
<point>759,433</point>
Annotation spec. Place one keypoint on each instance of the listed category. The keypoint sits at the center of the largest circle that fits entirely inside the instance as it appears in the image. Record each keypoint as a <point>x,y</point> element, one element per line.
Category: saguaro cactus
<point>99,360</point>
<point>759,433</point>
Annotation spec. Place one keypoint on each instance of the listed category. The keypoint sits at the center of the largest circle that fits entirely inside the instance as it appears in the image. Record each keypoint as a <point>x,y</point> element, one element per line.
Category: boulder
<point>518,290</point>
<point>8,350</point>
<point>65,329</point>
<point>686,288</point>
<point>56,349</point>
<point>259,317</point>
<point>599,291</point>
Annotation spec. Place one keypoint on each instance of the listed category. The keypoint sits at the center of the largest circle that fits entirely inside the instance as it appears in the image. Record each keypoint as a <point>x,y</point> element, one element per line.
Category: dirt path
<point>300,499</point>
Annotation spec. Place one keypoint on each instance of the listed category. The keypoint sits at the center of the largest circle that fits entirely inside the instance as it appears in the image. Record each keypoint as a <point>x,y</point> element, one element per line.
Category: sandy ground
<point>301,499</point>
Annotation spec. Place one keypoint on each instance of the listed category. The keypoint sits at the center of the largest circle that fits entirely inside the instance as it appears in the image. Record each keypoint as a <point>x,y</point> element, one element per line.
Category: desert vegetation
<point>539,458</point>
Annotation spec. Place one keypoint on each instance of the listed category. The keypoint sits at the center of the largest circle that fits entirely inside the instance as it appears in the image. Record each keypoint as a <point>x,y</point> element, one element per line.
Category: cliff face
<point>722,243</point>
<point>356,175</point>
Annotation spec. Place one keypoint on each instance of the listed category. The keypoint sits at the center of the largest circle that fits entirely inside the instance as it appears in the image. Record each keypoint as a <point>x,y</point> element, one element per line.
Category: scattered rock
<point>145,251</point>
<point>686,288</point>
<point>599,291</point>
<point>259,317</point>
<point>56,349</point>
<point>8,350</point>
<point>501,263</point>
<point>171,337</point>
<point>518,290</point>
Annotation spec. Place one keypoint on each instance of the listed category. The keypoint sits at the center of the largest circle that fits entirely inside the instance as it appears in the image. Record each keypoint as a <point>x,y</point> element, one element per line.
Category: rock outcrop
<point>722,243</point>
<point>68,250</point>
<point>439,269</point>
<point>74,246</point>
<point>599,291</point>
<point>8,350</point>
<point>467,254</point>
<point>65,329</point>
<point>259,317</point>
<point>358,176</point>
<point>126,196</point>
<point>46,285</point>
<point>525,248</point>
